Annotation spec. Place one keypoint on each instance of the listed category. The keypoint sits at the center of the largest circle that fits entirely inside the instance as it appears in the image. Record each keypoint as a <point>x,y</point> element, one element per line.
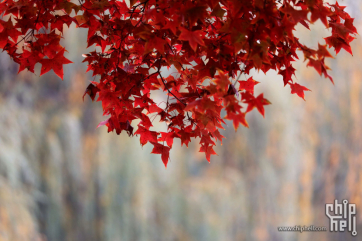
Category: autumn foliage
<point>210,43</point>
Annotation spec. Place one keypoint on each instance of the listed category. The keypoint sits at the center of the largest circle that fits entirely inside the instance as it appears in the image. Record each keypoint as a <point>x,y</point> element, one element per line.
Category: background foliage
<point>61,179</point>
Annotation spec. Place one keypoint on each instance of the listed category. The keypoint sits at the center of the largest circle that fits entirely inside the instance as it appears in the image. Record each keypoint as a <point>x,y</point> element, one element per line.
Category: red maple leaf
<point>146,135</point>
<point>298,89</point>
<point>257,102</point>
<point>338,43</point>
<point>28,60</point>
<point>193,37</point>
<point>248,85</point>
<point>237,119</point>
<point>55,64</point>
<point>287,74</point>
<point>208,151</point>
<point>91,90</point>
<point>168,137</point>
<point>163,150</point>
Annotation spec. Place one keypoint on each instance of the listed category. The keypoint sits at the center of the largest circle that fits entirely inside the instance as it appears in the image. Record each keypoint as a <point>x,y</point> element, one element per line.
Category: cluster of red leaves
<point>209,42</point>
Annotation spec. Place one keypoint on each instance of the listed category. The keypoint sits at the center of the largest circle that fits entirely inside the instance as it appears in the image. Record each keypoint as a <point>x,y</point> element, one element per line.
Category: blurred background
<point>63,179</point>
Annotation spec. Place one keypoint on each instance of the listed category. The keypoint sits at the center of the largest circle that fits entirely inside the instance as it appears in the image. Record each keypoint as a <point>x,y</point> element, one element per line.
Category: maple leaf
<point>91,90</point>
<point>248,85</point>
<point>172,25</point>
<point>168,137</point>
<point>298,89</point>
<point>348,23</point>
<point>338,43</point>
<point>222,81</point>
<point>297,15</point>
<point>320,12</point>
<point>55,64</point>
<point>7,30</point>
<point>208,149</point>
<point>341,30</point>
<point>287,74</point>
<point>257,102</point>
<point>28,60</point>
<point>323,52</point>
<point>218,136</point>
<point>146,135</point>
<point>193,37</point>
<point>155,43</point>
<point>163,150</point>
<point>185,136</point>
<point>237,119</point>
<point>81,19</point>
<point>320,66</point>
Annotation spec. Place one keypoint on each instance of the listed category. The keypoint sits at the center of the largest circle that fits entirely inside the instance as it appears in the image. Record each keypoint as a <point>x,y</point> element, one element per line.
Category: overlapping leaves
<point>210,43</point>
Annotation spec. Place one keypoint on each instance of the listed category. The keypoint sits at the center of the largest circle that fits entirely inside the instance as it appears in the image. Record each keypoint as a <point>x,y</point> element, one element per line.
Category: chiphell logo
<point>342,216</point>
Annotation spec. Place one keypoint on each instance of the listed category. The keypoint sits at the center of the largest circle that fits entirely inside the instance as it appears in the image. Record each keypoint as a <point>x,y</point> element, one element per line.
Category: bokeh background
<point>63,179</point>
